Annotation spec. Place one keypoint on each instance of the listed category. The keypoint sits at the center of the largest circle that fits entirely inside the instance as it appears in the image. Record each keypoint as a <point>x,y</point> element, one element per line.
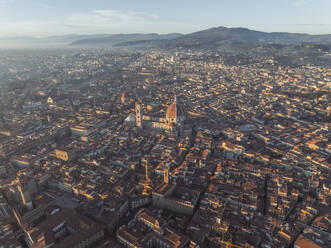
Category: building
<point>127,238</point>
<point>175,198</point>
<point>3,170</point>
<point>27,187</point>
<point>5,212</point>
<point>174,121</point>
<point>65,154</point>
<point>86,127</point>
<point>107,212</point>
<point>171,238</point>
<point>8,239</point>
<point>39,204</point>
<point>149,230</point>
<point>25,196</point>
<point>64,228</point>
<point>145,163</point>
<point>151,221</point>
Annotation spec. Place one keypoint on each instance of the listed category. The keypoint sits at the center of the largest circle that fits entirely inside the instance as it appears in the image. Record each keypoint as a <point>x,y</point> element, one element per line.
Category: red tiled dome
<point>174,110</point>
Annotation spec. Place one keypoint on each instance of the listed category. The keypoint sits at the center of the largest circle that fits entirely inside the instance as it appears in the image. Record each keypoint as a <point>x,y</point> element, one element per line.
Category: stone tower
<point>166,174</point>
<point>145,163</point>
<point>139,115</point>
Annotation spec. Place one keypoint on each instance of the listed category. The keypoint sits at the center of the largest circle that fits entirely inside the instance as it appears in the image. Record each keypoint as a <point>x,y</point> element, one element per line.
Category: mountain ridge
<point>211,38</point>
<point>223,36</point>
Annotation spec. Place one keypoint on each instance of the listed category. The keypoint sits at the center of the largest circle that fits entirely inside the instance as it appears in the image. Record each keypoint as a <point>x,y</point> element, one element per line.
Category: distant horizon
<point>159,33</point>
<point>45,18</point>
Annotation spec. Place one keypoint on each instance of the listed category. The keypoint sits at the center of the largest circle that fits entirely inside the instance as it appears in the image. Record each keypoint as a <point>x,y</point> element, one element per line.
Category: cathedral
<point>175,121</point>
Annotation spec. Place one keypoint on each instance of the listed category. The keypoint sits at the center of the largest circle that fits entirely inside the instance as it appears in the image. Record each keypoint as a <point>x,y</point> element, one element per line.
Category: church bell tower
<point>139,115</point>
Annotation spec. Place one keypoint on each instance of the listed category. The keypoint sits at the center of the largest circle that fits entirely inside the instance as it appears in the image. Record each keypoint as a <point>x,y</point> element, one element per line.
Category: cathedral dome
<point>175,112</point>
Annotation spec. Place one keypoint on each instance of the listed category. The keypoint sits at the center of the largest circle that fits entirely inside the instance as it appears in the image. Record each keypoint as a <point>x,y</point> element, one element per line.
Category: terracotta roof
<point>303,242</point>
<point>174,110</point>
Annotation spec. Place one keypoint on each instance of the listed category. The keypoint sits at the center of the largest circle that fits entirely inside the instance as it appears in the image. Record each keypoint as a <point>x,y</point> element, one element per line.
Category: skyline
<point>50,18</point>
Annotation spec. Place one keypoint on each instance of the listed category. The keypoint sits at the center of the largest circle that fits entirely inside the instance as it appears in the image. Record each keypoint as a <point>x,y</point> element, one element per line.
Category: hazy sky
<point>58,17</point>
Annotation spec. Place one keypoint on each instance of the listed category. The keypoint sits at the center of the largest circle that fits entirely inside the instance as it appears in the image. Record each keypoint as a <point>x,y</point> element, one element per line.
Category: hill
<point>232,38</point>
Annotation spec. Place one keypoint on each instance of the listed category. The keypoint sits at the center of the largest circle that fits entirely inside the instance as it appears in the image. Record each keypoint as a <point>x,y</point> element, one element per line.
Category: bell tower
<point>139,115</point>
<point>166,174</point>
<point>145,163</point>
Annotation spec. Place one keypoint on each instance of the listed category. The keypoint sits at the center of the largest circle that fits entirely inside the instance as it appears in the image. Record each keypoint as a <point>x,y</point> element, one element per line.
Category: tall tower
<point>139,115</point>
<point>145,163</point>
<point>166,174</point>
